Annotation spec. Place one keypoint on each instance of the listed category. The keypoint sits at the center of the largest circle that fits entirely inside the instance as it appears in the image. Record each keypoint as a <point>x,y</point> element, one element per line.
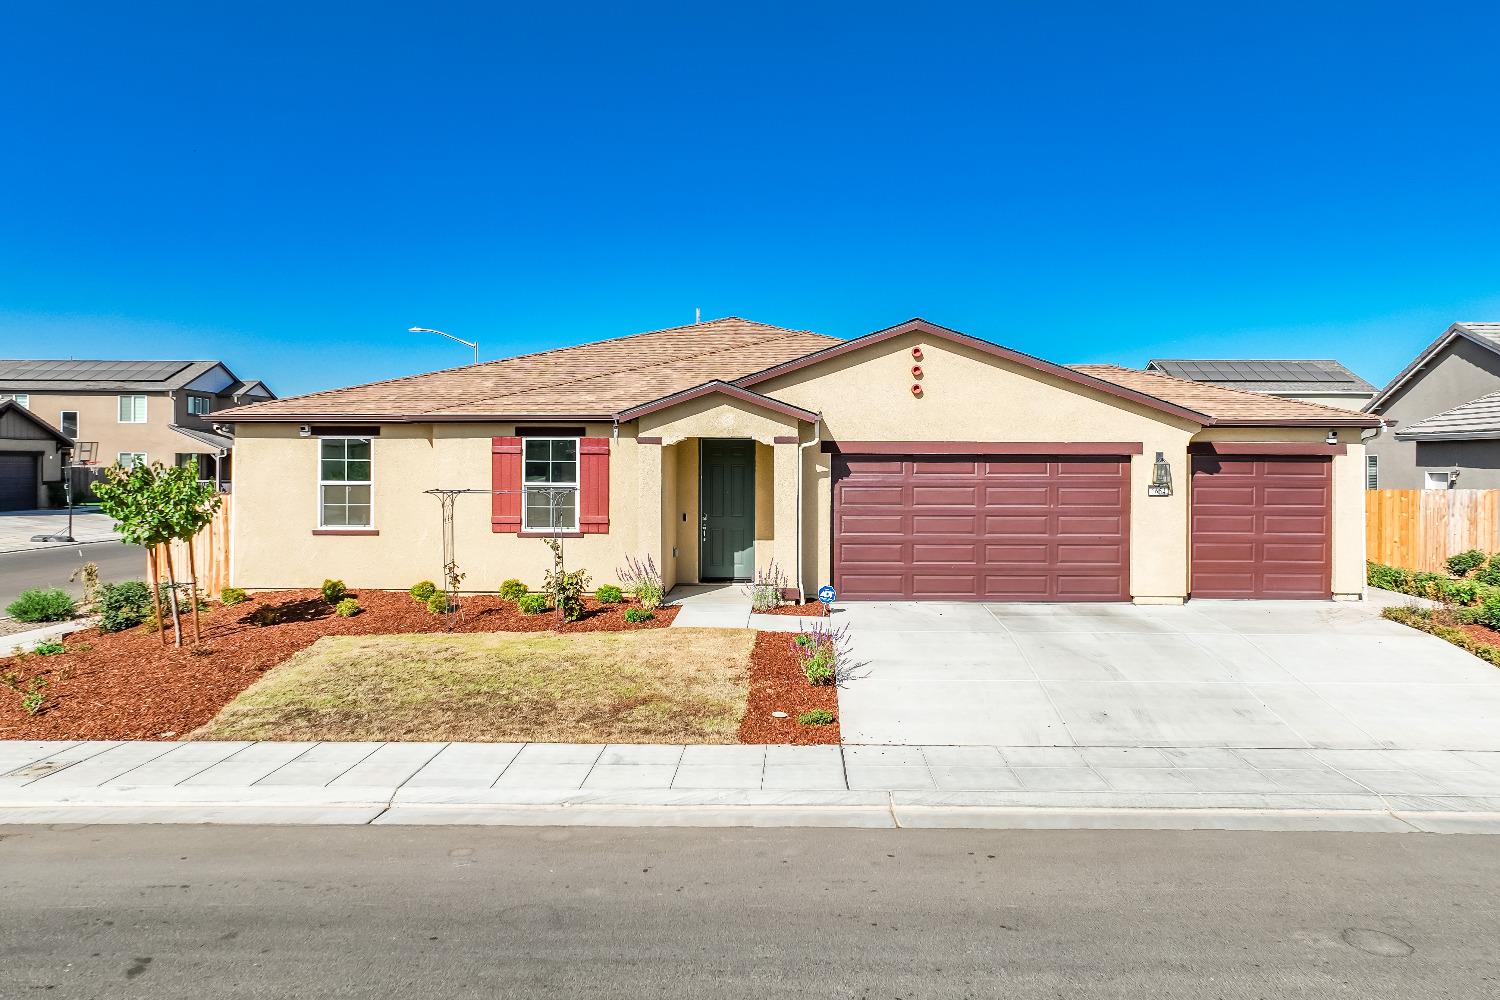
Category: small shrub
<point>567,591</point>
<point>49,647</point>
<point>765,592</point>
<point>512,590</point>
<point>817,717</point>
<point>1465,562</point>
<point>1436,623</point>
<point>636,616</point>
<point>609,594</point>
<point>423,591</point>
<point>31,701</point>
<point>124,605</point>
<point>822,650</point>
<point>1489,573</point>
<point>438,603</point>
<point>1463,592</point>
<point>41,605</point>
<point>1388,577</point>
<point>347,608</point>
<point>88,573</point>
<point>532,604</point>
<point>802,639</point>
<point>643,580</point>
<point>1488,612</point>
<point>232,596</point>
<point>334,591</point>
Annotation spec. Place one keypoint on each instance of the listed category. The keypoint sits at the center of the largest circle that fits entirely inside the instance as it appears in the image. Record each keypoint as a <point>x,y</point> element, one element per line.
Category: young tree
<point>155,505</point>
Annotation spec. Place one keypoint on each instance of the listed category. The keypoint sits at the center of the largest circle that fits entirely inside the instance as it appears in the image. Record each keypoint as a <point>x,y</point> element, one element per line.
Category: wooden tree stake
<point>152,571</point>
<point>193,591</point>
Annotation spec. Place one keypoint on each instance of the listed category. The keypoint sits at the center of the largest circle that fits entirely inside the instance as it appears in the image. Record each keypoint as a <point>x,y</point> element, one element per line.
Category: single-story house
<point>1311,381</point>
<point>31,453</point>
<point>913,462</point>
<point>1443,416</point>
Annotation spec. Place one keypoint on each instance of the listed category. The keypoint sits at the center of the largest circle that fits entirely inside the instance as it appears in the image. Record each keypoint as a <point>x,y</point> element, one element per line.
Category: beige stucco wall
<point>99,421</point>
<point>275,512</point>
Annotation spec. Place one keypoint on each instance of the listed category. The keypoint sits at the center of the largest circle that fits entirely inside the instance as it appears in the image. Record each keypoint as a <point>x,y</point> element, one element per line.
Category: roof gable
<point>11,411</point>
<point>926,329</point>
<point>1486,335</point>
<point>720,388</point>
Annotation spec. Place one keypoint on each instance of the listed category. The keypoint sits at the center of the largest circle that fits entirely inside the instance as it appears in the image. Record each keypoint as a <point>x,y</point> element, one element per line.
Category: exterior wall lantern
<point>1161,477</point>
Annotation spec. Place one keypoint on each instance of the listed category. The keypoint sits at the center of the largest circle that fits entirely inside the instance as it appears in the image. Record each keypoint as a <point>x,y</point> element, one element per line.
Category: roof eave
<point>1492,435</point>
<point>718,387</point>
<point>1353,420</point>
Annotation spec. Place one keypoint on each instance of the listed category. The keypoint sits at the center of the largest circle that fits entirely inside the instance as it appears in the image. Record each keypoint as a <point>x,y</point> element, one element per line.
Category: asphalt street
<point>51,567</point>
<point>201,912</point>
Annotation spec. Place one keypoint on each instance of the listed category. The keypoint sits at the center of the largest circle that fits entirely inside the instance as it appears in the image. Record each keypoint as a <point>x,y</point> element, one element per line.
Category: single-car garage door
<point>1023,528</point>
<point>17,480</point>
<point>1262,527</point>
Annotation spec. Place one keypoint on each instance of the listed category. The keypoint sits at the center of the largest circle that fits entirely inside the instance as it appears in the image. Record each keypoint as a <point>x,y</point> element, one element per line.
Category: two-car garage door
<point>1056,528</point>
<point>981,527</point>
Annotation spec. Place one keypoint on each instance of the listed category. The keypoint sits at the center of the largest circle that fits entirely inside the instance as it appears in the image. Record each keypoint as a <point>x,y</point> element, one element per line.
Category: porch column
<point>649,500</point>
<point>784,528</point>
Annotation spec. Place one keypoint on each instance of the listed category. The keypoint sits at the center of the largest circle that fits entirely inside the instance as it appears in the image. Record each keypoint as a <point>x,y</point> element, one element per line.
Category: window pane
<point>356,471</point>
<point>536,472</point>
<point>333,470</point>
<point>538,449</point>
<point>357,495</point>
<point>333,448</point>
<point>335,516</point>
<point>563,472</point>
<point>565,451</point>
<point>358,515</point>
<point>357,449</point>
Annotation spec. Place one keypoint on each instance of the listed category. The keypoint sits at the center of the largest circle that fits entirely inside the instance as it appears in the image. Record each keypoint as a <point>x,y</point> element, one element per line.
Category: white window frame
<point>21,399</point>
<point>346,482</point>
<point>1429,477</point>
<point>575,485</point>
<point>120,407</point>
<point>62,423</point>
<point>1372,472</point>
<point>135,458</point>
<point>206,402</point>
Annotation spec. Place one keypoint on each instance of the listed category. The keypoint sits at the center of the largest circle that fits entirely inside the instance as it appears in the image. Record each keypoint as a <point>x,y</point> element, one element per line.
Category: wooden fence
<point>1420,529</point>
<point>210,553</point>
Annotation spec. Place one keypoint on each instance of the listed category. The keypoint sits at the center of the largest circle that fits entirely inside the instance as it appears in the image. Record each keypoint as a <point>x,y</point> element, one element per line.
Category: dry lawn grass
<point>660,686</point>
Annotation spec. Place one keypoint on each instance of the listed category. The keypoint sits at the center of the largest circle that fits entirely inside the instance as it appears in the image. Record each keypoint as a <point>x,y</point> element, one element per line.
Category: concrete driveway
<point>1208,674</point>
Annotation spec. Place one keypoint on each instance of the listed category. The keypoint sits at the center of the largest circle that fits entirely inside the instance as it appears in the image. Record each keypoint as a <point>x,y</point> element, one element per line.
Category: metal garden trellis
<point>447,500</point>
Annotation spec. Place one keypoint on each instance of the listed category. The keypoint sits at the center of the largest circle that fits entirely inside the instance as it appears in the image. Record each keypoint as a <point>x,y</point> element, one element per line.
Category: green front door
<point>727,504</point>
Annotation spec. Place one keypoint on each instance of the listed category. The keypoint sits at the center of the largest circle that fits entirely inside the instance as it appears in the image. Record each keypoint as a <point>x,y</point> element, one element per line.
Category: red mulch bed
<point>128,686</point>
<point>777,684</point>
<point>1479,633</point>
<point>806,608</point>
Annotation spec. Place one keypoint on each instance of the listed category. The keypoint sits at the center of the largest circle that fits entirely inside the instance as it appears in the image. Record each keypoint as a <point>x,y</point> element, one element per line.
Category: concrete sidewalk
<point>933,786</point>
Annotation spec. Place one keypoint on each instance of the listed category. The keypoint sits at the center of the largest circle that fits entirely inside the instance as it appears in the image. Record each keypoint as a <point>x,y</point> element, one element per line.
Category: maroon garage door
<point>1262,527</point>
<point>1032,528</point>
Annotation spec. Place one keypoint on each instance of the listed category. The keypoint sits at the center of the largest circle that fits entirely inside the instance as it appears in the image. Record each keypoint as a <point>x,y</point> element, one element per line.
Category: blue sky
<point>289,187</point>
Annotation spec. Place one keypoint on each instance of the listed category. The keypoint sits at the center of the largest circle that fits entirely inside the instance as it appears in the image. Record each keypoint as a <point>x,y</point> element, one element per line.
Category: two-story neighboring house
<point>1442,416</point>
<point>135,411</point>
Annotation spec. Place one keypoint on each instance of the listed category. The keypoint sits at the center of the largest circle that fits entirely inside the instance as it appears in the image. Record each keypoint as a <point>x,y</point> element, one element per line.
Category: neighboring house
<point>914,462</point>
<point>1326,382</point>
<point>1442,414</point>
<point>128,411</point>
<point>30,457</point>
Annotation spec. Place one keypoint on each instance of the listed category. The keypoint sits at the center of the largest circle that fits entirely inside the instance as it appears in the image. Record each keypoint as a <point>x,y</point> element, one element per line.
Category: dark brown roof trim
<point>720,387</point>
<point>994,350</point>
<point>984,447</point>
<point>410,418</point>
<point>1352,420</point>
<point>1266,448</point>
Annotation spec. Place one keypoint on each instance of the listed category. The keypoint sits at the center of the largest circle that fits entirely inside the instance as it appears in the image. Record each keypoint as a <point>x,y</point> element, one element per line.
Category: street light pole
<point>467,343</point>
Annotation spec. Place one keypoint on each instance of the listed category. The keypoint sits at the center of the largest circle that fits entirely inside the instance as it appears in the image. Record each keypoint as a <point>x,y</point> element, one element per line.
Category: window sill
<point>549,534</point>
<point>346,531</point>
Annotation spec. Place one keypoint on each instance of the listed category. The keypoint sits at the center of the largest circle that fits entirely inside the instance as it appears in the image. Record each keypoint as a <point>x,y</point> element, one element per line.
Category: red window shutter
<point>505,470</point>
<point>593,486</point>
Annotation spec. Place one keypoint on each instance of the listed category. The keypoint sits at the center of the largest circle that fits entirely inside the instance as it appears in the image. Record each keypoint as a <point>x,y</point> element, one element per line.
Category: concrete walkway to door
<point>1208,674</point>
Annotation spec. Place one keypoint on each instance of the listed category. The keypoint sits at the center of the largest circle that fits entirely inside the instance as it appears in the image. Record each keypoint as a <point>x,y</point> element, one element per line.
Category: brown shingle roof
<point>1229,407</point>
<point>589,380</point>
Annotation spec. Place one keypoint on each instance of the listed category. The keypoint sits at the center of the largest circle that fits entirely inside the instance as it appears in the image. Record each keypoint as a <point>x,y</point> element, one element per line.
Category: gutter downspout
<point>1365,437</point>
<point>817,439</point>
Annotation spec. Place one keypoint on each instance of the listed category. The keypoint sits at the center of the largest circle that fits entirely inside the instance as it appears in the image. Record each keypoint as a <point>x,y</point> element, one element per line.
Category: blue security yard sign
<point>827,594</point>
